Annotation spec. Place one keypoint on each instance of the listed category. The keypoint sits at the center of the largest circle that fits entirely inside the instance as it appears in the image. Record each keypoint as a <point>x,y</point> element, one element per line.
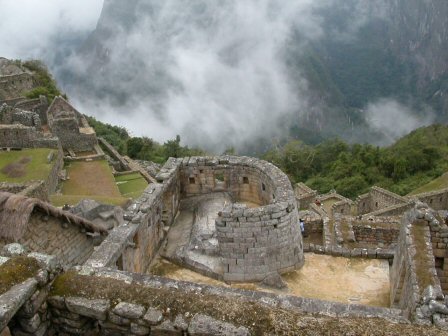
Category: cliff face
<point>369,50</point>
<point>419,31</point>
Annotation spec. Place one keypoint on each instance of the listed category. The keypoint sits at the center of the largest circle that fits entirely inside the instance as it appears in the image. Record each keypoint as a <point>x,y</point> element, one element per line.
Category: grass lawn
<point>92,180</point>
<point>25,165</point>
<point>61,200</point>
<point>436,184</point>
<point>132,185</point>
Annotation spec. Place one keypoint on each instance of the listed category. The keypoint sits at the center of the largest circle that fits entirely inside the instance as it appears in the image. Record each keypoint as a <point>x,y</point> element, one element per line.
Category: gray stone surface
<point>153,316</point>
<point>129,310</point>
<point>12,250</point>
<point>11,301</point>
<point>203,325</point>
<point>91,308</point>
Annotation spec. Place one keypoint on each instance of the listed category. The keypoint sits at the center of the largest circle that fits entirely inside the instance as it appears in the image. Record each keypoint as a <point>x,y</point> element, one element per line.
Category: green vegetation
<point>142,148</point>
<point>436,184</point>
<point>15,271</point>
<point>411,162</point>
<point>46,85</point>
<point>115,135</point>
<point>131,185</point>
<point>25,165</point>
<point>61,200</point>
<point>92,180</point>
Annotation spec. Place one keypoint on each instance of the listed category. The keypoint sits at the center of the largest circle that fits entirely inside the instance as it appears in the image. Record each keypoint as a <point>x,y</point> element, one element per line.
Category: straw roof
<point>16,210</point>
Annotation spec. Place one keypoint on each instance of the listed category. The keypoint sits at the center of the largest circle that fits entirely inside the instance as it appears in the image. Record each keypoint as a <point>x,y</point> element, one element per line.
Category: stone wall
<point>343,207</point>
<point>71,136</point>
<point>38,105</point>
<point>169,307</point>
<point>52,181</point>
<point>275,242</point>
<point>382,234</point>
<point>378,199</point>
<point>23,308</point>
<point>437,200</point>
<point>122,164</point>
<point>305,195</point>
<point>238,175</point>
<point>393,210</point>
<point>255,243</point>
<point>132,246</point>
<point>13,188</point>
<point>12,86</point>
<point>439,240</point>
<point>49,235</point>
<point>26,118</point>
<point>17,136</point>
<point>415,286</point>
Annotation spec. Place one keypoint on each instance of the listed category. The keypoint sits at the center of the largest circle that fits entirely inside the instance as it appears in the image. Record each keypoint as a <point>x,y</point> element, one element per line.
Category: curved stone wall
<point>254,242</point>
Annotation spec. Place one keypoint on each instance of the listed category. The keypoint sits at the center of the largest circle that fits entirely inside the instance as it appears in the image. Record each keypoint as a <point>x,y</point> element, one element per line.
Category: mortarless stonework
<point>253,243</point>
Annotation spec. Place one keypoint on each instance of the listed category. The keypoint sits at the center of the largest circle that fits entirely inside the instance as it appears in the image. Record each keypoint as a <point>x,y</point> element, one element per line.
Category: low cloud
<point>36,28</point>
<point>393,120</point>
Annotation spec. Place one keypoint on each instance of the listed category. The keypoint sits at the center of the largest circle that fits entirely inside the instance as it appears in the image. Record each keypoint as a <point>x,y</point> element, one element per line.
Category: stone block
<point>202,325</point>
<point>30,325</point>
<point>96,309</point>
<point>116,319</point>
<point>165,329</point>
<point>139,330</point>
<point>129,310</point>
<point>153,316</point>
<point>57,302</point>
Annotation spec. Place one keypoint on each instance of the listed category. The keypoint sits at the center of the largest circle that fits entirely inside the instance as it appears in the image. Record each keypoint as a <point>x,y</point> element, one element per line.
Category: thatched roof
<point>16,210</point>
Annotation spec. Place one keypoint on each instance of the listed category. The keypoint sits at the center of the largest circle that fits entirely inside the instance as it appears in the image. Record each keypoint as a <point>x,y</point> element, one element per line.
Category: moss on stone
<point>260,319</point>
<point>15,271</point>
<point>421,259</point>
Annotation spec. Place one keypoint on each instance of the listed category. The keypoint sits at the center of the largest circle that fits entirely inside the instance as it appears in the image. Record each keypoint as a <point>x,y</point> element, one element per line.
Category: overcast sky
<point>27,27</point>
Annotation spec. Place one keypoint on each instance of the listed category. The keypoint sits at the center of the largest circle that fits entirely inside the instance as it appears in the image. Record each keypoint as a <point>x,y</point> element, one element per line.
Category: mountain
<point>328,69</point>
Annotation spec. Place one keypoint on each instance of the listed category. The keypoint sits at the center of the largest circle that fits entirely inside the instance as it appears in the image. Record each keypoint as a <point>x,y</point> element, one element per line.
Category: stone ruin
<point>71,127</point>
<point>245,220</point>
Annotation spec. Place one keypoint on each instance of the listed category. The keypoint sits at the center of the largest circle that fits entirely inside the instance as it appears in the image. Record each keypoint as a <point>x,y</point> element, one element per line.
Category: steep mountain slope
<point>334,62</point>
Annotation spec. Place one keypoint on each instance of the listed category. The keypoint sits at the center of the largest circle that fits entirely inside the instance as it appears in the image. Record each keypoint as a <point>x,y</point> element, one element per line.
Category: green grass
<point>436,184</point>
<point>132,185</point>
<point>36,169</point>
<point>93,180</point>
<point>61,200</point>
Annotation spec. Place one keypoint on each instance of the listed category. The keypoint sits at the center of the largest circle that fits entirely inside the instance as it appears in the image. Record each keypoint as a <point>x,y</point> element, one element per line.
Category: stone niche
<point>258,235</point>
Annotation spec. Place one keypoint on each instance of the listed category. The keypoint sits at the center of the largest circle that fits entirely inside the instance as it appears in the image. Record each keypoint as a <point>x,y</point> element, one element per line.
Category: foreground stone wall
<point>168,307</point>
<point>23,308</point>
<point>415,286</point>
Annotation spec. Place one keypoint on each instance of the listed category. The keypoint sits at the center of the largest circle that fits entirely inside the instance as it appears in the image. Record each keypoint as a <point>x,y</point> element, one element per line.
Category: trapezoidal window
<point>192,180</point>
<point>263,187</point>
<point>245,180</point>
